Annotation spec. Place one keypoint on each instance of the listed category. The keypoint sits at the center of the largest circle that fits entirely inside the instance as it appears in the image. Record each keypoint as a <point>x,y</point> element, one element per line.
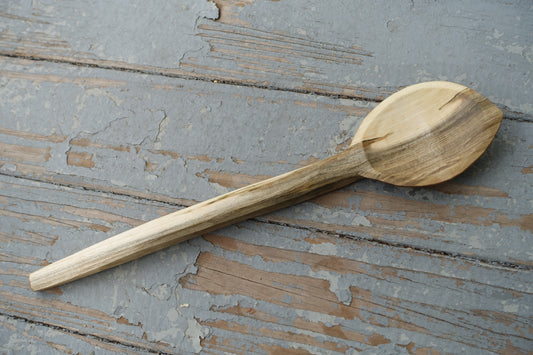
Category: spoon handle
<point>253,200</point>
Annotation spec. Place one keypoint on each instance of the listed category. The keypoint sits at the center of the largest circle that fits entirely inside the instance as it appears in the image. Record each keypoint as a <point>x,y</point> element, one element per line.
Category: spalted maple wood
<point>422,135</point>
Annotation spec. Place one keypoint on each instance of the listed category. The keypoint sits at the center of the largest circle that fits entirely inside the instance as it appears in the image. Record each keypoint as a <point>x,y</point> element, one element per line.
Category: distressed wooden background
<point>113,113</point>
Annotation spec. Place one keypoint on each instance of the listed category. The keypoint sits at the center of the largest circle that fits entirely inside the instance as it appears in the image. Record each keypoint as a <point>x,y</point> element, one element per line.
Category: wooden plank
<point>146,136</point>
<point>23,337</point>
<point>340,48</point>
<point>36,230</point>
<point>250,288</point>
<point>86,153</point>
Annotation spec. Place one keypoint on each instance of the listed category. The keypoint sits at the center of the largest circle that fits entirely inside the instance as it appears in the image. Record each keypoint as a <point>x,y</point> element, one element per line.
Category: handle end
<point>35,281</point>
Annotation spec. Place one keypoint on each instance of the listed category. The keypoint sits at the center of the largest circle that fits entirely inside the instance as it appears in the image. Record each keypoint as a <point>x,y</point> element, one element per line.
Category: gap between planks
<point>179,74</point>
<point>134,348</point>
<point>278,222</point>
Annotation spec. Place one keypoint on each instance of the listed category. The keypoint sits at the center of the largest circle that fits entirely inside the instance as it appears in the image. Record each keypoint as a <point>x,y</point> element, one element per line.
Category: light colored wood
<point>253,200</point>
<point>427,133</point>
<point>428,125</point>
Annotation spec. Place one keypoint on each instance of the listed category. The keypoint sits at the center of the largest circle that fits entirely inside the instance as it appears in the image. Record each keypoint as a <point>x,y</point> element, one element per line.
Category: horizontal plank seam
<point>508,113</point>
<point>211,79</point>
<point>70,331</point>
<point>428,251</point>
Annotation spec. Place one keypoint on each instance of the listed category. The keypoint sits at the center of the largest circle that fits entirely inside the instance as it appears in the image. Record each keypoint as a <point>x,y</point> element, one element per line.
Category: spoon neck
<point>348,164</point>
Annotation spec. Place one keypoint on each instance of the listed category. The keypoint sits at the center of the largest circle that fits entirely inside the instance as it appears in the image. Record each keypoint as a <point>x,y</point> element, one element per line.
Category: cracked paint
<point>195,332</point>
<point>143,39</point>
<point>152,143</point>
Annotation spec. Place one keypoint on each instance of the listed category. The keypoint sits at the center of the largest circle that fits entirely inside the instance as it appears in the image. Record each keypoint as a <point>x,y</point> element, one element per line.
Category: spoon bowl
<point>422,135</point>
<point>427,133</point>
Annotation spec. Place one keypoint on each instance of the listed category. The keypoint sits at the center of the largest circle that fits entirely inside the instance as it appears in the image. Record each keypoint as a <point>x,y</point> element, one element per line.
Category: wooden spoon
<point>422,135</point>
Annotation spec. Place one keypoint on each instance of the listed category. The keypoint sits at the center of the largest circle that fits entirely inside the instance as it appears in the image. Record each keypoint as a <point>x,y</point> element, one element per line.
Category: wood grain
<point>20,335</point>
<point>442,269</point>
<point>256,284</point>
<point>430,145</point>
<point>347,49</point>
<point>427,133</point>
<point>250,201</point>
<point>466,216</point>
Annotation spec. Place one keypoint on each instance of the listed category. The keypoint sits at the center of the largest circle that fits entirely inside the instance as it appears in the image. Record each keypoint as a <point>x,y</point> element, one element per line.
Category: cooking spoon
<point>422,135</point>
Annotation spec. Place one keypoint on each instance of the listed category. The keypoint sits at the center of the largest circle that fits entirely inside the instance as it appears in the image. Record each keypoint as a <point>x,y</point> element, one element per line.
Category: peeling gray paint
<point>345,48</point>
<point>135,32</point>
<point>425,268</point>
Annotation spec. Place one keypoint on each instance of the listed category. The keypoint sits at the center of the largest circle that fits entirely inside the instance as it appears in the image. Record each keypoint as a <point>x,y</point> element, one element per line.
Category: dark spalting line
<point>368,142</point>
<point>239,83</point>
<point>454,97</point>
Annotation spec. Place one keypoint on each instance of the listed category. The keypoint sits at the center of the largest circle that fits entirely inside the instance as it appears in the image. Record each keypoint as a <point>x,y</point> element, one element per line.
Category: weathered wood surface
<point>436,143</point>
<point>86,153</point>
<point>253,287</point>
<point>22,337</point>
<point>347,47</point>
<point>120,133</point>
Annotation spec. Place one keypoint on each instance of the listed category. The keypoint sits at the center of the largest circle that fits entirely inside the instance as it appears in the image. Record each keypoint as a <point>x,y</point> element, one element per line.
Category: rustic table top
<point>112,114</point>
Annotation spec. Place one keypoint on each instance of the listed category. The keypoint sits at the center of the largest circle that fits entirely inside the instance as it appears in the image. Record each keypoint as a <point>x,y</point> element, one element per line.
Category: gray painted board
<point>151,136</point>
<point>251,288</point>
<point>18,336</point>
<point>350,48</point>
<point>112,114</point>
